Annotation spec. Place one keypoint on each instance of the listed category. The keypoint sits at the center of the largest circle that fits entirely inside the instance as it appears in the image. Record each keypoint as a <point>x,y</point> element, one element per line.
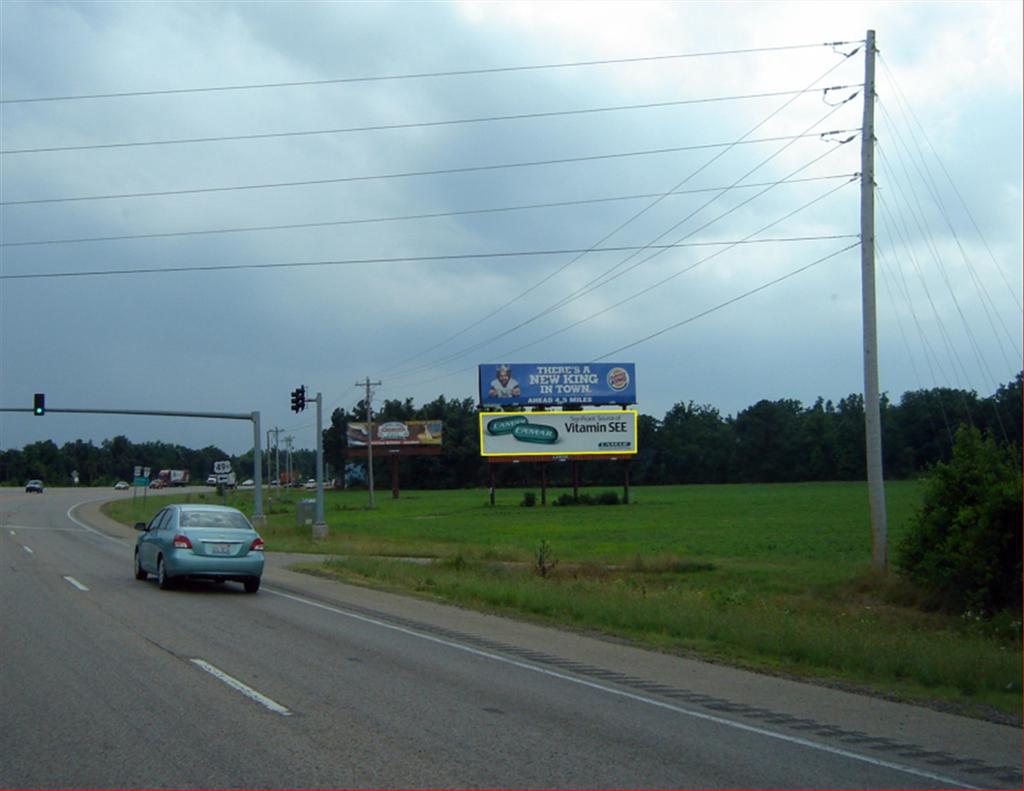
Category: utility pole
<point>270,472</point>
<point>872,415</point>
<point>369,435</point>
<point>319,526</point>
<point>277,453</point>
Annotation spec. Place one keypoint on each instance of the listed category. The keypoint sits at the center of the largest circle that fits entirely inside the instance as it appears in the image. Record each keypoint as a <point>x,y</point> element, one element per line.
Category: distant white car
<point>248,483</point>
<point>121,485</point>
<point>310,484</point>
<point>211,480</point>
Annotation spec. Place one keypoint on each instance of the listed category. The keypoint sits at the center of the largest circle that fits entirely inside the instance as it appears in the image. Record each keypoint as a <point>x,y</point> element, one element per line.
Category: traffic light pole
<point>319,525</point>
<point>257,452</point>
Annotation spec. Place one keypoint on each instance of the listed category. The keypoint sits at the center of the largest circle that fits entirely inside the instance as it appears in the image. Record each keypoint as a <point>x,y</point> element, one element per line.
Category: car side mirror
<point>140,526</point>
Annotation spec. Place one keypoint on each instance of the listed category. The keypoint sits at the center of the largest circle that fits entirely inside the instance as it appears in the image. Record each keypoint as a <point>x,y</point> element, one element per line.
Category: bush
<point>964,550</point>
<point>605,498</point>
<point>529,500</point>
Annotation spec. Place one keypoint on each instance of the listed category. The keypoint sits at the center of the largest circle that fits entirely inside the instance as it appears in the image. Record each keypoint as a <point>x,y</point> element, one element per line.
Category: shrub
<point>605,498</point>
<point>964,548</point>
<point>529,500</point>
<point>544,561</point>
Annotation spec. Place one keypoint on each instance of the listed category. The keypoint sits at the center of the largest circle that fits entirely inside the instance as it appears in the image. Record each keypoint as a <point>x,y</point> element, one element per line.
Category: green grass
<point>771,577</point>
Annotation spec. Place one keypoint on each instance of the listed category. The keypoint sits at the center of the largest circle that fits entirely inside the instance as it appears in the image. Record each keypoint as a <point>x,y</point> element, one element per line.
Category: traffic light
<point>299,399</point>
<point>39,404</point>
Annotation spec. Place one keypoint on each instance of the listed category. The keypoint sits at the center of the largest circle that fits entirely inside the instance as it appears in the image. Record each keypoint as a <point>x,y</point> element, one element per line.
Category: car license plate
<point>220,549</point>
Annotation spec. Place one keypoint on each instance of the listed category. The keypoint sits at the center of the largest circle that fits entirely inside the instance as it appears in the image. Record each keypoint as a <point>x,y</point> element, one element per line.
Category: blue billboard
<point>557,384</point>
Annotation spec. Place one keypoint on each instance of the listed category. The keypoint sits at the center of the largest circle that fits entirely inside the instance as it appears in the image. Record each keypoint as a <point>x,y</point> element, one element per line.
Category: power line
<point>409,174</point>
<point>411,124</point>
<point>910,112</point>
<point>691,319</point>
<point>389,260</point>
<point>725,304</point>
<point>646,290</point>
<point>422,75</point>
<point>606,277</point>
<point>400,218</point>
<point>563,267</point>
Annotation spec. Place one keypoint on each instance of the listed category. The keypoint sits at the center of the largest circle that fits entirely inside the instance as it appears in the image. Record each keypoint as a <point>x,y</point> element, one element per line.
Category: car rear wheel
<point>161,575</point>
<point>140,573</point>
<point>252,584</point>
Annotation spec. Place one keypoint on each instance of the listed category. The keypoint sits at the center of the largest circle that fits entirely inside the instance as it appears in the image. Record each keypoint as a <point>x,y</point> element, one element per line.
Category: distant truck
<point>173,477</point>
<point>289,479</point>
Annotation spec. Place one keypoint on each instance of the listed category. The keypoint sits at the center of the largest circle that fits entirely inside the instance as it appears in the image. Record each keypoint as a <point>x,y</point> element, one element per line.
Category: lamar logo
<point>618,379</point>
<point>613,445</point>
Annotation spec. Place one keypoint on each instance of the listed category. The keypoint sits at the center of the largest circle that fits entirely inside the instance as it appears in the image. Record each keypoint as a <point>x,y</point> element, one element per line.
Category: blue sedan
<point>199,542</point>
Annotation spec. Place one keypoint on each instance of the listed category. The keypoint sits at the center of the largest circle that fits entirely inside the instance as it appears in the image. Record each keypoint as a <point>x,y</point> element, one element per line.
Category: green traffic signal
<point>39,404</point>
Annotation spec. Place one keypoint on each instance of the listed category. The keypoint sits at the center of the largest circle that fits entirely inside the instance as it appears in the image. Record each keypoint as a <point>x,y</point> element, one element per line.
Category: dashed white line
<point>28,549</point>
<point>237,685</point>
<point>75,583</point>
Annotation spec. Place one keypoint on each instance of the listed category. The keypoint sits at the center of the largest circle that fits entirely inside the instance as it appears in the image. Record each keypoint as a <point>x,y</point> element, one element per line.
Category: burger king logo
<point>618,379</point>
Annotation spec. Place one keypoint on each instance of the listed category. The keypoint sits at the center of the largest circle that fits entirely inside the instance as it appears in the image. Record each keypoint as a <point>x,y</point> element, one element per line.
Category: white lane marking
<point>634,697</point>
<point>76,584</point>
<point>84,525</point>
<point>28,549</point>
<point>53,529</point>
<point>246,690</point>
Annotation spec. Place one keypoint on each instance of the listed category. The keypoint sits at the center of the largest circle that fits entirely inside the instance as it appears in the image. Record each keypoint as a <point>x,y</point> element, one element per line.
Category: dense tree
<point>965,547</point>
<point>693,443</point>
<point>769,442</point>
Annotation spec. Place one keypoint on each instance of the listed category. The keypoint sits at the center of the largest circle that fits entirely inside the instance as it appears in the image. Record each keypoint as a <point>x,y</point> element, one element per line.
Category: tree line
<point>769,442</point>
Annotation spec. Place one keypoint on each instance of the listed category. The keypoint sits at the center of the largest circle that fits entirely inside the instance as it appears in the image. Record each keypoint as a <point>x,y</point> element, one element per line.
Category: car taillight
<point>257,545</point>
<point>182,542</point>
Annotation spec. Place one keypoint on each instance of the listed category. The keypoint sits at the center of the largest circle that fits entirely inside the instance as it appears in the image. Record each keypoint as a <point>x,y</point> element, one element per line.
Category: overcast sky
<point>719,152</point>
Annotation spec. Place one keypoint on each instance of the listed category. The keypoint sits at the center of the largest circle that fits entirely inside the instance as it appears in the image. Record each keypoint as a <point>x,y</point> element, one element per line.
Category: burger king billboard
<point>557,384</point>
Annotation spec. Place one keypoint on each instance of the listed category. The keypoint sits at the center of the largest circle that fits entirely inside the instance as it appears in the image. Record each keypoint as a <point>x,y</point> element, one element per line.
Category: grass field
<point>771,577</point>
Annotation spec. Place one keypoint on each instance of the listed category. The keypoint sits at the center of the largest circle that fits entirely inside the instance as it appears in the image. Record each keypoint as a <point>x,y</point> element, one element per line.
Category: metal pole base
<point>320,530</point>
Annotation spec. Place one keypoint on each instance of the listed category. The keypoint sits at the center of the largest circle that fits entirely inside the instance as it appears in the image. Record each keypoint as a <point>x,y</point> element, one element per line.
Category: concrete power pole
<point>872,416</point>
<point>369,436</point>
<point>319,525</point>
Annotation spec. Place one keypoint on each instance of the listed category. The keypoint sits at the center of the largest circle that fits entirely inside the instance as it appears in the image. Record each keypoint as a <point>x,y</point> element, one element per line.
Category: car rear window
<point>213,519</point>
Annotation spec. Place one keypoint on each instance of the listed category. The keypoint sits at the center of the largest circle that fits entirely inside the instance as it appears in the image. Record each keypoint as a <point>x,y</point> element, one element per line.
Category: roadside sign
<point>138,471</point>
<point>223,477</point>
<point>221,467</point>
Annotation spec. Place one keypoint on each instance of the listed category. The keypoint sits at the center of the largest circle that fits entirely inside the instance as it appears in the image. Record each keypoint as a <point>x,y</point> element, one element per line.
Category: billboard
<point>394,432</point>
<point>559,384</point>
<point>558,433</point>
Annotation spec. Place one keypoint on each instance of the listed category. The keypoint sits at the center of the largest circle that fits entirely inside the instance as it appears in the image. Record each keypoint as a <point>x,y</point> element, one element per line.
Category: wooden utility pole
<point>369,436</point>
<point>872,414</point>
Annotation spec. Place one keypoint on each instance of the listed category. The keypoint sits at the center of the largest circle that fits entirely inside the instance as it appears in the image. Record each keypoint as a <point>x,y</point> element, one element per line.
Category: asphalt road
<point>112,683</point>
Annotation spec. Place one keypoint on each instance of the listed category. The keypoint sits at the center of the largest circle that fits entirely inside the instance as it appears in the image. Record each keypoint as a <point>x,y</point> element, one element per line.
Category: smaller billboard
<point>557,384</point>
<point>395,432</point>
<point>611,432</point>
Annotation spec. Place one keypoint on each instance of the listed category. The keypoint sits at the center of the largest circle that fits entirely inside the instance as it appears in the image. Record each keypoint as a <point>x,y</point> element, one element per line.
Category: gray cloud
<point>241,340</point>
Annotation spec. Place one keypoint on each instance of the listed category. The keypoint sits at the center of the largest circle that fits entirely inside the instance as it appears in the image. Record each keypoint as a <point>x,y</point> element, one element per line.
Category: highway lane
<point>313,684</point>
